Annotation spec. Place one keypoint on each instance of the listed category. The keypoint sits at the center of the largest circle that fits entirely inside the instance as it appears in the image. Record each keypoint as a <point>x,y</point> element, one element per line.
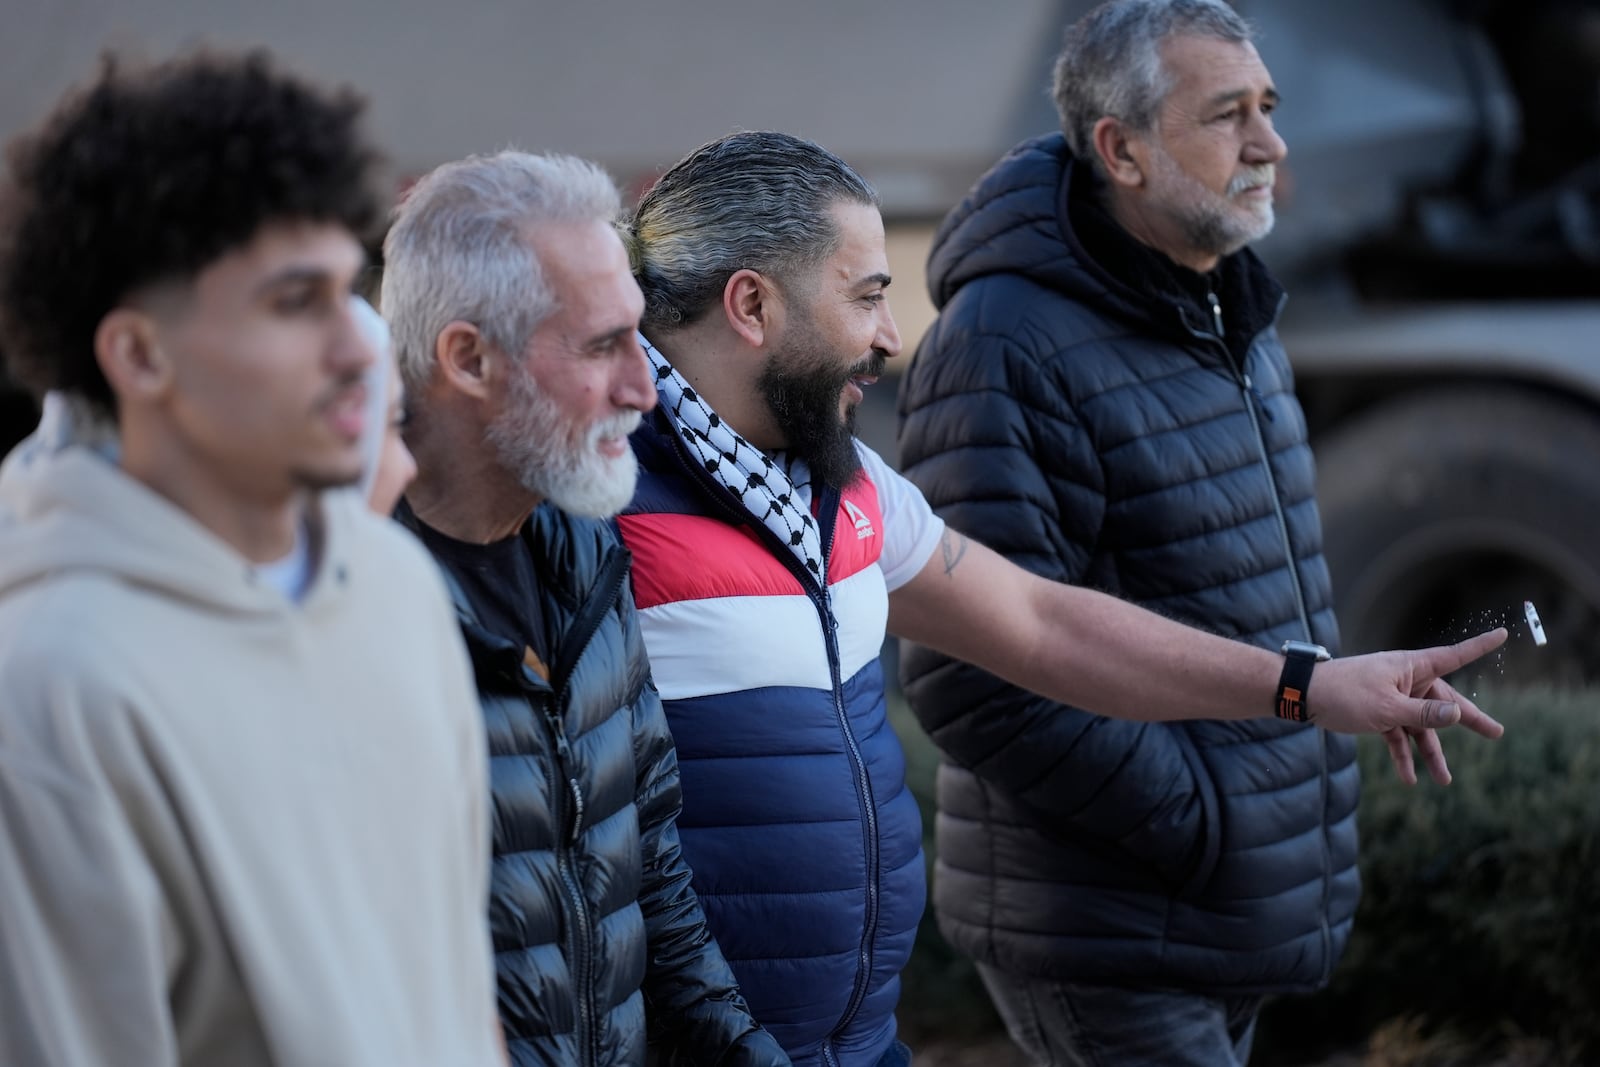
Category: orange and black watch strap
<point>1300,658</point>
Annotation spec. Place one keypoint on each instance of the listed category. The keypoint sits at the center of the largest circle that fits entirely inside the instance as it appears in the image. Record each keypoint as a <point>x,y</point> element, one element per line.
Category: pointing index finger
<point>1442,659</point>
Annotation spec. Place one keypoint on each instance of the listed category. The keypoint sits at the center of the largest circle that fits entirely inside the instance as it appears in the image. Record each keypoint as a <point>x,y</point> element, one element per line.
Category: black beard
<point>805,405</point>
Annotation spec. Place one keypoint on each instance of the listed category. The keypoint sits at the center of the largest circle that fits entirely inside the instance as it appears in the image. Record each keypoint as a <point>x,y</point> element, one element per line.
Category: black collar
<point>1171,294</point>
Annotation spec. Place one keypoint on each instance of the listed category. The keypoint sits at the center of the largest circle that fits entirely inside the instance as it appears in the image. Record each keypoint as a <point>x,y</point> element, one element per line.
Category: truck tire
<point>1445,510</point>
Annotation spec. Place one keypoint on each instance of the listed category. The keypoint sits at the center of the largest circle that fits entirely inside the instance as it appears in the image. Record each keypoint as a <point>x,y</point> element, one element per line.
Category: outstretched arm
<point>1081,647</point>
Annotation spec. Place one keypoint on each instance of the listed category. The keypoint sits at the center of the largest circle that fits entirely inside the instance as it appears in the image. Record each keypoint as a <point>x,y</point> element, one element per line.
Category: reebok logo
<point>863,524</point>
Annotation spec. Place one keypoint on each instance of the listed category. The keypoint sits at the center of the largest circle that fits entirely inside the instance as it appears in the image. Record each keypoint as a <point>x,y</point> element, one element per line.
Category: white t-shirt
<point>292,574</point>
<point>911,530</point>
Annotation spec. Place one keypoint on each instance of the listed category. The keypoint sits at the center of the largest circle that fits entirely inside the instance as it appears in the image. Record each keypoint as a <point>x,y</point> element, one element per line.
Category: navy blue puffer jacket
<point>594,923</point>
<point>1104,435</point>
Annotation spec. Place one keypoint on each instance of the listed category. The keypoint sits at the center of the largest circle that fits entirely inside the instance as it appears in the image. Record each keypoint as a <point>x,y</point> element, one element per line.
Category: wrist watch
<point>1299,657</point>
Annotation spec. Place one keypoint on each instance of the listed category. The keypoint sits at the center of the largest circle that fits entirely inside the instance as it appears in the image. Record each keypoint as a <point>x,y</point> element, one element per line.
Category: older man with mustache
<point>1105,401</point>
<point>772,552</point>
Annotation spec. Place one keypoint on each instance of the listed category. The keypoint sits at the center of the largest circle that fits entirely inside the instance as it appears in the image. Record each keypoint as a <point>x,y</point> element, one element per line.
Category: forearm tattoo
<point>953,546</point>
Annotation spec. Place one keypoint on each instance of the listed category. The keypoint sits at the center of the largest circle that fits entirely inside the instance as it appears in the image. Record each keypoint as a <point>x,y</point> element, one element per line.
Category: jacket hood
<point>70,510</point>
<point>1010,223</point>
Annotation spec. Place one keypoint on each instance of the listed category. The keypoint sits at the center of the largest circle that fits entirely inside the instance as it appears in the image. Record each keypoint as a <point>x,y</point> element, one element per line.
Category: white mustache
<point>1264,174</point>
<point>621,424</point>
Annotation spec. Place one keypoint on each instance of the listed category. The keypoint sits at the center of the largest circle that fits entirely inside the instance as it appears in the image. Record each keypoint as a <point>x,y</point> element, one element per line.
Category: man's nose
<point>1264,144</point>
<point>888,335</point>
<point>357,344</point>
<point>636,382</point>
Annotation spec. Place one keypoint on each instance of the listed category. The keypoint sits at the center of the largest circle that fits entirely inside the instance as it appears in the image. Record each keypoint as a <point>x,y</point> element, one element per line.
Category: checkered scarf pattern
<point>775,490</point>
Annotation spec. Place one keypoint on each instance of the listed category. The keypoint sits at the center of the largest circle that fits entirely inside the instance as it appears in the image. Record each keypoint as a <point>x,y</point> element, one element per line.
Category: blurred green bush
<point>1480,920</point>
<point>1480,916</point>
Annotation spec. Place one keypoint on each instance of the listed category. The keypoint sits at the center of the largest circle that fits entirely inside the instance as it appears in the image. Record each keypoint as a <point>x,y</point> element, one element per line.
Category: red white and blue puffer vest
<point>804,839</point>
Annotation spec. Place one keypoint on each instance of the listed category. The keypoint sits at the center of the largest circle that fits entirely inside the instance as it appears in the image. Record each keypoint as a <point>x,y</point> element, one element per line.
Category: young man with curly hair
<point>241,771</point>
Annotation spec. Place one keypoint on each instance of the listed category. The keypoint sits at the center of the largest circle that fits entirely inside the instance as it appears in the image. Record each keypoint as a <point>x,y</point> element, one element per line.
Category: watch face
<point>1305,648</point>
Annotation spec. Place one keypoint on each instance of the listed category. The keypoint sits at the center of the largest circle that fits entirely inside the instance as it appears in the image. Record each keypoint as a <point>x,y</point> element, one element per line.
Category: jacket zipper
<point>613,572</point>
<point>858,766</point>
<point>1252,398</point>
<point>817,591</point>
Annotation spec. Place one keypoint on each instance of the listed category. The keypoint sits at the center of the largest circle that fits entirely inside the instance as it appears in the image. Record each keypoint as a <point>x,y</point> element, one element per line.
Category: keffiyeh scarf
<point>776,491</point>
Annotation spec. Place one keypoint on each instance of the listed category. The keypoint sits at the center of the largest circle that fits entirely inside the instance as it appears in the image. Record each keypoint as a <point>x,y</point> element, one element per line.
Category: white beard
<point>533,440</point>
<point>1215,225</point>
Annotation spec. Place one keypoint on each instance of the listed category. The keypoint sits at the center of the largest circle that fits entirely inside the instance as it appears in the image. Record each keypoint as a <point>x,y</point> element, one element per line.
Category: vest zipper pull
<point>1261,401</point>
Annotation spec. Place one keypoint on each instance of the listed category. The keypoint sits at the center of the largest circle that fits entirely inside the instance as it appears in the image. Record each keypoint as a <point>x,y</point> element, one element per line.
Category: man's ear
<point>750,304</point>
<point>1122,156</point>
<point>464,356</point>
<point>130,355</point>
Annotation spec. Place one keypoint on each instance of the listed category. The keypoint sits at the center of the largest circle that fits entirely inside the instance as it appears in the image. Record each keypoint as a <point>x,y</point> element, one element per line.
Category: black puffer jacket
<point>593,920</point>
<point>1105,435</point>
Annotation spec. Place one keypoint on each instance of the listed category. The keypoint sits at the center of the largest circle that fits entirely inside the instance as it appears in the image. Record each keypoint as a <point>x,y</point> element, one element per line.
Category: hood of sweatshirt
<point>70,510</point>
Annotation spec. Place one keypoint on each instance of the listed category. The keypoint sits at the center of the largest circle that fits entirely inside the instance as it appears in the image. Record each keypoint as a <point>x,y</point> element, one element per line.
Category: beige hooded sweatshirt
<point>233,830</point>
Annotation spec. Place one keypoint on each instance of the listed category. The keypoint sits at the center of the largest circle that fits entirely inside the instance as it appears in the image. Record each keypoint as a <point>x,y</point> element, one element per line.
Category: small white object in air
<point>1535,627</point>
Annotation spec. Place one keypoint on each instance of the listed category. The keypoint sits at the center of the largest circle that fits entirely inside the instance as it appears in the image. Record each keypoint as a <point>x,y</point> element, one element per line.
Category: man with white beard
<point>1105,401</point>
<point>514,318</point>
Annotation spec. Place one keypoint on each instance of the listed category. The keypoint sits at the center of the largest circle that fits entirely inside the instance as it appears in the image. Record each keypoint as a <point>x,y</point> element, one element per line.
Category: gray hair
<point>1110,63</point>
<point>757,201</point>
<point>460,248</point>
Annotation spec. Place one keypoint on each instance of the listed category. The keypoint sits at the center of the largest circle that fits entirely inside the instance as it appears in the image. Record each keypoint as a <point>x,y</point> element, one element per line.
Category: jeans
<point>1062,1024</point>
